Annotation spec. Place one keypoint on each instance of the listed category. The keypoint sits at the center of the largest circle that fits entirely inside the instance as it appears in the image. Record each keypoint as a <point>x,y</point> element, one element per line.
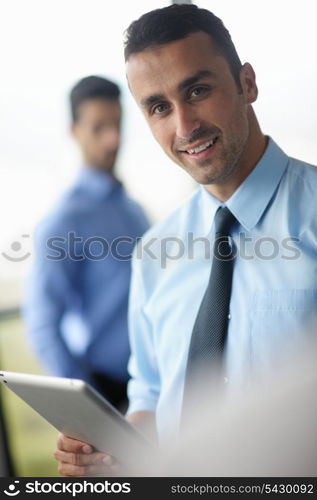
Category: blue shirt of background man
<point>77,296</point>
<point>274,290</point>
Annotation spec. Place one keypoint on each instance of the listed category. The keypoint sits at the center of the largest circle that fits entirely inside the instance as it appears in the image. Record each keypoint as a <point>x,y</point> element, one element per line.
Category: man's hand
<point>76,459</point>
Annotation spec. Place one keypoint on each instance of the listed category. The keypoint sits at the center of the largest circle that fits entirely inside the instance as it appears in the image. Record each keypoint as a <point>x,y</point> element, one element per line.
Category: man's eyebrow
<point>152,99</point>
<point>193,79</point>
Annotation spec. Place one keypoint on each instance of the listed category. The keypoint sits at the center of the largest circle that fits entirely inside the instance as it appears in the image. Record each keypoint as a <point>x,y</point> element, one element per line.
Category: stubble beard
<point>228,161</point>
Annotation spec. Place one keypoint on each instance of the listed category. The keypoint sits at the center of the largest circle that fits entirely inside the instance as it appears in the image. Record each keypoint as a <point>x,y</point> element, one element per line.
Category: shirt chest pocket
<point>280,319</point>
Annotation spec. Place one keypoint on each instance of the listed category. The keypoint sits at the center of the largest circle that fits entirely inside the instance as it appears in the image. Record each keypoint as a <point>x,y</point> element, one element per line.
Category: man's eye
<point>159,108</point>
<point>198,91</point>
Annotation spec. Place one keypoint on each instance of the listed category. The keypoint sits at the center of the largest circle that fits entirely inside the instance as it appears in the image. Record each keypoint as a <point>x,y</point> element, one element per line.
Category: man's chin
<point>211,176</point>
<point>204,177</point>
<point>205,173</point>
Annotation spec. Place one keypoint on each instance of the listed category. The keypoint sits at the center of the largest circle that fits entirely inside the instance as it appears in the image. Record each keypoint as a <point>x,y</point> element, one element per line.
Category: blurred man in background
<point>77,294</point>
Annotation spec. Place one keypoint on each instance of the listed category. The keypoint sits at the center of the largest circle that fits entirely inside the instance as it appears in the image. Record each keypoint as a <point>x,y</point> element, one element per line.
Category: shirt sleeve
<point>50,292</point>
<point>144,385</point>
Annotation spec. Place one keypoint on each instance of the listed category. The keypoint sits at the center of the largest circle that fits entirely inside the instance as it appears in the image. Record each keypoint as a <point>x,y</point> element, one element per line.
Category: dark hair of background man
<point>91,87</point>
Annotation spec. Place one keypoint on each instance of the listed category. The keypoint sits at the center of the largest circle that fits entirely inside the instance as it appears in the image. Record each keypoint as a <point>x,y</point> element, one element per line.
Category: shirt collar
<point>96,182</point>
<point>252,197</point>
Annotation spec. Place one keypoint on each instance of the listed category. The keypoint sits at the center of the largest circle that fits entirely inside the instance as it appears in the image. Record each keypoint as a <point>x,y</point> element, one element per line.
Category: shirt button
<point>229,316</point>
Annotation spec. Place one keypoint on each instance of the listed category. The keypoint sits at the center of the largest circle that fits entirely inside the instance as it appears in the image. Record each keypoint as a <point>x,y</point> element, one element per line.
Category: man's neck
<point>254,150</point>
<point>95,168</point>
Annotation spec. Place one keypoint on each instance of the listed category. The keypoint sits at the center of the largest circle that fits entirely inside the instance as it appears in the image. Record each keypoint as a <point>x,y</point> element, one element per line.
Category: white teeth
<point>201,148</point>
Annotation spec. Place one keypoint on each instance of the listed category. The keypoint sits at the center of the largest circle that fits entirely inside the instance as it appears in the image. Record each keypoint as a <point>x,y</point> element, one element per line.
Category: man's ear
<point>73,130</point>
<point>248,83</point>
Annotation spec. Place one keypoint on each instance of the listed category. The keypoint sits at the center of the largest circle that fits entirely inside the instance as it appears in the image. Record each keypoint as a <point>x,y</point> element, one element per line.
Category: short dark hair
<point>175,22</point>
<point>91,87</point>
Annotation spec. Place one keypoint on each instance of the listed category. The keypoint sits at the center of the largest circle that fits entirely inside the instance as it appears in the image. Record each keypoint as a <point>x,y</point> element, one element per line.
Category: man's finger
<point>65,443</point>
<point>82,459</point>
<point>84,470</point>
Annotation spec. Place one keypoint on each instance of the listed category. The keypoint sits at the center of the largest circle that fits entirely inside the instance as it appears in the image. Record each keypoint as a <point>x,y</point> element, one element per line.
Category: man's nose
<point>186,121</point>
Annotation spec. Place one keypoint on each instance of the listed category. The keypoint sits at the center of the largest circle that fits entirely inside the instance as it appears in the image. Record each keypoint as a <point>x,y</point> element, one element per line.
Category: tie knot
<point>224,220</point>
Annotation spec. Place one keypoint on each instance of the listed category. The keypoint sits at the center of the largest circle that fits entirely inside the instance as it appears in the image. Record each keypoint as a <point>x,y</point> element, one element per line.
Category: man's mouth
<point>202,147</point>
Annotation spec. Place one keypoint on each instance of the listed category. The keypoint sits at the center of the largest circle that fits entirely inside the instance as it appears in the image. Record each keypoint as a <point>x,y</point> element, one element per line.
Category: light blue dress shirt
<point>274,291</point>
<point>76,297</point>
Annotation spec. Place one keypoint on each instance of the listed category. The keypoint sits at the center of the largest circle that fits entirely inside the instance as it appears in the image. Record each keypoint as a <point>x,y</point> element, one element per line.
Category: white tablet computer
<point>78,411</point>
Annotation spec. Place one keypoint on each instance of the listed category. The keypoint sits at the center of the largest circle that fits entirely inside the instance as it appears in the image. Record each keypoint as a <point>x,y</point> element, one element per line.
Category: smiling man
<point>199,113</point>
<point>241,309</point>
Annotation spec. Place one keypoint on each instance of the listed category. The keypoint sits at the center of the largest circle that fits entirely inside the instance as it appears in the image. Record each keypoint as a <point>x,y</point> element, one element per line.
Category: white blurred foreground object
<point>269,429</point>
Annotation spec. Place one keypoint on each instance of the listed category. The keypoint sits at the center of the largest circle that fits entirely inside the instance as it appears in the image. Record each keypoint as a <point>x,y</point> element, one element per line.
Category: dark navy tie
<point>210,329</point>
